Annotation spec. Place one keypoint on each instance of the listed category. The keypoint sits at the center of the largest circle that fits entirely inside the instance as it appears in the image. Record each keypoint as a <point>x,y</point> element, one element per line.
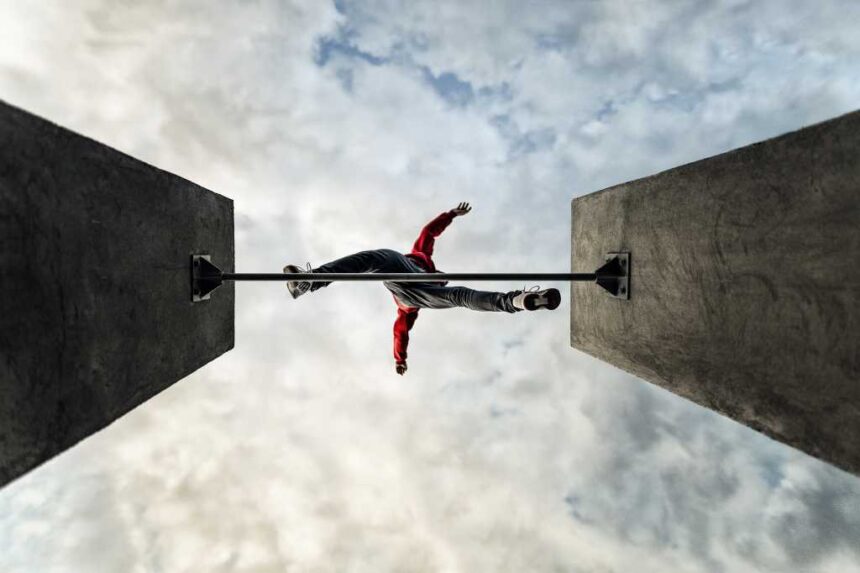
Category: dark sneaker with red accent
<point>297,288</point>
<point>535,298</point>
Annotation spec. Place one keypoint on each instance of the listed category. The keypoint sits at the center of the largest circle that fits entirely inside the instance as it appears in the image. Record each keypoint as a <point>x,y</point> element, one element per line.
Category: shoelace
<point>531,289</point>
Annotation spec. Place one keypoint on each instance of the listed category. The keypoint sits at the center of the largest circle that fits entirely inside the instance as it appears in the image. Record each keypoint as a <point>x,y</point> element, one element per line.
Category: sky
<point>345,126</point>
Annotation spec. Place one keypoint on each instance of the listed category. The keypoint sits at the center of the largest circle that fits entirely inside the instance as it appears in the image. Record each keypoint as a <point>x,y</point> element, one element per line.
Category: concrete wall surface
<point>95,308</point>
<point>745,286</point>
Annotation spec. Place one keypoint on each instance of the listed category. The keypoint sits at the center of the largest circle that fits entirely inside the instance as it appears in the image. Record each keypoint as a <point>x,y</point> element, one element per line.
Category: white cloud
<point>502,449</point>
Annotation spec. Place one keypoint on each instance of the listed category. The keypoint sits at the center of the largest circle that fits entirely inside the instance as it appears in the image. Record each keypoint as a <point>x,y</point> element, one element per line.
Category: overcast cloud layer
<point>347,126</point>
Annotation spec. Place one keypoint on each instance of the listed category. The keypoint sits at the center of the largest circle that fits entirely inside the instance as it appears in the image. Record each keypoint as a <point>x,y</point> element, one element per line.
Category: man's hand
<point>401,368</point>
<point>461,209</point>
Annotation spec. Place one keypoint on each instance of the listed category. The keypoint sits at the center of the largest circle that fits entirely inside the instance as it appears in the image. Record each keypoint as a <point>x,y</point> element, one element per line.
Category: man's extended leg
<point>424,295</point>
<point>433,296</point>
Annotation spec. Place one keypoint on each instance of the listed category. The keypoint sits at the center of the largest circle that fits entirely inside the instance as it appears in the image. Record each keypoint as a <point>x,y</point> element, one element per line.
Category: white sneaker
<point>534,298</point>
<point>297,288</point>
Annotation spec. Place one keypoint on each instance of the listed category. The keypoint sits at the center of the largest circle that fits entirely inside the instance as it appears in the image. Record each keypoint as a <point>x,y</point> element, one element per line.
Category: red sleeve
<point>402,325</point>
<point>425,241</point>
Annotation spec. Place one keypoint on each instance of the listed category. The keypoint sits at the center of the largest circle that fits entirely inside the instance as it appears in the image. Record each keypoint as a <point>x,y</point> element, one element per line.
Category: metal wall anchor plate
<point>614,276</point>
<point>205,277</point>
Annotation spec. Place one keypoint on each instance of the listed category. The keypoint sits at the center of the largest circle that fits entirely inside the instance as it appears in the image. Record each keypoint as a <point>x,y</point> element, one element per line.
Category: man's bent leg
<point>374,261</point>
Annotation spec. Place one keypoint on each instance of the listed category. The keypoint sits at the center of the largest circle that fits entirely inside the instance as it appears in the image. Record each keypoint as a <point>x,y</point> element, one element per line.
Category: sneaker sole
<point>291,285</point>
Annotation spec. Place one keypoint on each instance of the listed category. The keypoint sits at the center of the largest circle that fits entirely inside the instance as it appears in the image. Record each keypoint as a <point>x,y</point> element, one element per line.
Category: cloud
<point>344,127</point>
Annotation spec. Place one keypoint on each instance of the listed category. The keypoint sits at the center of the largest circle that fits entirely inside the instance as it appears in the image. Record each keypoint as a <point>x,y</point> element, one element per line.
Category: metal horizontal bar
<point>407,277</point>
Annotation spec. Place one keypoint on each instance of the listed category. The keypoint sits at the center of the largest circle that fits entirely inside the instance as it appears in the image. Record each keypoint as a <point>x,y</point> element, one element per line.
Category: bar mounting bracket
<point>205,277</point>
<point>614,276</point>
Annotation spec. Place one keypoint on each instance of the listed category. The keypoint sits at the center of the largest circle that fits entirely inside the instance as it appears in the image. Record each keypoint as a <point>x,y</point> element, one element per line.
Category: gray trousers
<point>420,295</point>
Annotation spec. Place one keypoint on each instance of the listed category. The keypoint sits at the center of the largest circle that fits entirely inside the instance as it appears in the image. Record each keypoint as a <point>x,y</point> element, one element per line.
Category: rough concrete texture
<point>745,294</point>
<point>95,308</point>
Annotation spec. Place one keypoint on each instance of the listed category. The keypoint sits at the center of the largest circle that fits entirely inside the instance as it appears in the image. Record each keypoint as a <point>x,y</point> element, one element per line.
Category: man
<point>410,297</point>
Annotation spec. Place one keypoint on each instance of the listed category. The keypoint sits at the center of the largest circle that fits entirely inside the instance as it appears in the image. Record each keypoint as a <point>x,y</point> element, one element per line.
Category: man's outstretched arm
<point>427,238</point>
<point>402,326</point>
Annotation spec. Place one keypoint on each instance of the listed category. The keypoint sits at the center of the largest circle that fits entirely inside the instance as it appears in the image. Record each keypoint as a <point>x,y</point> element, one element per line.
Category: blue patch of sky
<point>329,46</point>
<point>450,87</point>
<point>447,85</point>
<point>460,93</point>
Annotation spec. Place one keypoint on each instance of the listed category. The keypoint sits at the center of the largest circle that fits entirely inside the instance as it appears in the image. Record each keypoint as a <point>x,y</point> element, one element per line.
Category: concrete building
<point>745,285</point>
<point>95,304</point>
